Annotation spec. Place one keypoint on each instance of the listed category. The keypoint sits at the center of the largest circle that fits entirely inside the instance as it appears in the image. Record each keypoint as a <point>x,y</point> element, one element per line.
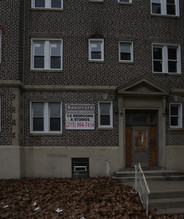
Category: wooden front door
<point>140,145</point>
<point>141,140</point>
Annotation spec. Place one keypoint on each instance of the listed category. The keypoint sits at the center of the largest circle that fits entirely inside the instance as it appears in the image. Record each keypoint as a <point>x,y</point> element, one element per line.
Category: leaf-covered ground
<point>93,198</point>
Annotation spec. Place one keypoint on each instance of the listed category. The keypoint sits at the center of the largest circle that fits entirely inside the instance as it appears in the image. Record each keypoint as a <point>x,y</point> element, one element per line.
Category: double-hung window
<point>105,114</point>
<point>0,45</point>
<point>55,4</point>
<point>175,115</point>
<point>125,51</point>
<point>165,7</point>
<point>46,54</point>
<point>166,58</point>
<point>46,117</point>
<point>96,49</point>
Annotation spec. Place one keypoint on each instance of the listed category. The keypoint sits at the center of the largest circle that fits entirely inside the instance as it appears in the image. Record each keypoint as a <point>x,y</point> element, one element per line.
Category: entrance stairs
<point>166,188</point>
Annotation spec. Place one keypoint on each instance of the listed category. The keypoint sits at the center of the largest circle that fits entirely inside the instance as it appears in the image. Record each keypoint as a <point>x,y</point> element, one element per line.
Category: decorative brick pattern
<point>9,24</point>
<point>95,137</point>
<point>81,20</point>
<point>6,134</point>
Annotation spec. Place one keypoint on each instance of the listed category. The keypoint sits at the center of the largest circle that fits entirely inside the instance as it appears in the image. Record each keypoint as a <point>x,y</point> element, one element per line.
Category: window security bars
<point>80,167</point>
<point>141,186</point>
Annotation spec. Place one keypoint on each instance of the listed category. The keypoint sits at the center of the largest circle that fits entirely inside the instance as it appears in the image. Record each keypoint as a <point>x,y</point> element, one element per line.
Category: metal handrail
<point>141,186</point>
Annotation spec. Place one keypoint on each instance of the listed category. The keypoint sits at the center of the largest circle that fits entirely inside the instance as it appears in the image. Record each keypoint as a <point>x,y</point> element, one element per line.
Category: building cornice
<point>69,88</point>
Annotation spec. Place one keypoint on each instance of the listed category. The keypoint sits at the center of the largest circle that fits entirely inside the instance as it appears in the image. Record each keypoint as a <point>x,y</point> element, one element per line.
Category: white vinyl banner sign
<point>80,116</point>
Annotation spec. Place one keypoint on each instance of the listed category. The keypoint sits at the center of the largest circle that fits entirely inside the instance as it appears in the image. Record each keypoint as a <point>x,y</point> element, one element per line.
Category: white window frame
<point>163,4</point>
<point>46,118</point>
<point>180,115</point>
<point>47,54</point>
<point>129,2</point>
<point>111,115</point>
<point>131,51</point>
<point>165,58</point>
<point>0,46</point>
<point>89,49</point>
<point>47,5</point>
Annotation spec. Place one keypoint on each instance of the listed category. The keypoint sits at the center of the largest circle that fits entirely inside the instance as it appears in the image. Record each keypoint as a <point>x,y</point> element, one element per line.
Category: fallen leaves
<point>91,198</point>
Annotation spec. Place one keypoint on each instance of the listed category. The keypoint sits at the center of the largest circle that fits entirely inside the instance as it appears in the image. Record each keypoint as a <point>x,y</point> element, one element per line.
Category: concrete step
<point>161,195</point>
<point>170,211</point>
<point>163,203</point>
<point>148,173</point>
<point>151,178</point>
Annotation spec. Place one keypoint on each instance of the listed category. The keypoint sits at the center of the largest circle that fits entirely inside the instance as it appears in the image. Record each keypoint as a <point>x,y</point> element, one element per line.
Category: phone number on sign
<point>79,125</point>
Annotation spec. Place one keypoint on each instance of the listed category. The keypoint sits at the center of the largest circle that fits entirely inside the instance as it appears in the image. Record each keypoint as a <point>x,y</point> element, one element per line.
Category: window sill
<point>96,61</point>
<point>165,15</point>
<point>46,70</point>
<point>46,9</point>
<point>125,62</point>
<point>45,134</point>
<point>105,129</point>
<point>125,3</point>
<point>175,129</point>
<point>96,1</point>
<point>167,74</point>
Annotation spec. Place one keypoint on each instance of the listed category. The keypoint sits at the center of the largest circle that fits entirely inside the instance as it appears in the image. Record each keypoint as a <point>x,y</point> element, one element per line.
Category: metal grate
<point>80,167</point>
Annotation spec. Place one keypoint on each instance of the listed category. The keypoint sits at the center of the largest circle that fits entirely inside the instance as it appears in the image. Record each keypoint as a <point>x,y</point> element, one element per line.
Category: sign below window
<point>80,116</point>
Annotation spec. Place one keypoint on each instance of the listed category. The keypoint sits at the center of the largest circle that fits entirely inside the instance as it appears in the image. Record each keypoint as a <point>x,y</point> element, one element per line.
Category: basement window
<point>80,167</point>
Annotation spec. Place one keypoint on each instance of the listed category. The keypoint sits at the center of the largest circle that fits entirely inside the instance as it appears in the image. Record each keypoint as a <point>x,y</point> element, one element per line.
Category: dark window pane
<point>172,53</point>
<point>56,4</point>
<point>95,55</point>
<point>174,121</point>
<point>56,62</point>
<point>39,3</point>
<point>55,124</point>
<point>157,53</point>
<point>171,9</point>
<point>124,0</point>
<point>156,8</point>
<point>172,66</point>
<point>125,56</point>
<point>38,109</point>
<point>174,110</point>
<point>140,118</point>
<point>38,124</point>
<point>55,109</point>
<point>157,66</point>
<point>38,61</point>
<point>105,120</point>
<point>105,108</point>
<point>128,118</point>
<point>170,1</point>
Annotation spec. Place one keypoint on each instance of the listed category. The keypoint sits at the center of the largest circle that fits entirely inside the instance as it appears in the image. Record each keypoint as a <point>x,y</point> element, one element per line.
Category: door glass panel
<point>140,118</point>
<point>140,138</point>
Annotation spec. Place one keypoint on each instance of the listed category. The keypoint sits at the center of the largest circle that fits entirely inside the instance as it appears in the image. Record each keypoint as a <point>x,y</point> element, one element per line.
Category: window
<point>0,45</point>
<point>125,1</point>
<point>166,59</point>
<point>80,167</point>
<point>46,117</point>
<point>96,49</point>
<point>176,115</point>
<point>165,7</point>
<point>56,4</point>
<point>46,54</point>
<point>125,51</point>
<point>105,115</point>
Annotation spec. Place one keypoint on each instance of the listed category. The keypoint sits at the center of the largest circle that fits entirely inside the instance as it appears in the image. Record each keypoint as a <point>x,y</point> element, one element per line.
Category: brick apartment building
<point>86,81</point>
